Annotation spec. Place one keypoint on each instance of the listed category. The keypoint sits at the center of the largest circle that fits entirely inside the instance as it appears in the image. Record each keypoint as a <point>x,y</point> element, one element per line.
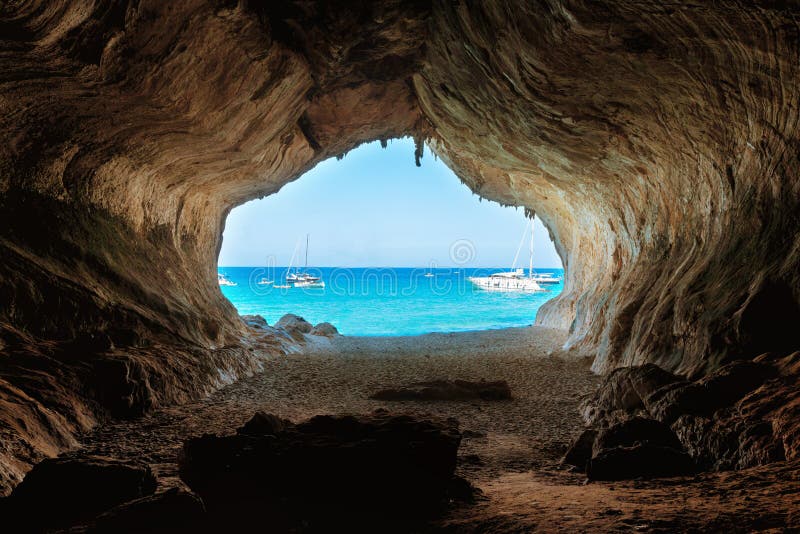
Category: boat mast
<point>519,247</point>
<point>291,260</point>
<point>306,267</point>
<point>530,268</point>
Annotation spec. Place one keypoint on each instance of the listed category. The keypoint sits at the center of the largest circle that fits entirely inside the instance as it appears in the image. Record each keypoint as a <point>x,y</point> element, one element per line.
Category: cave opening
<point>393,248</point>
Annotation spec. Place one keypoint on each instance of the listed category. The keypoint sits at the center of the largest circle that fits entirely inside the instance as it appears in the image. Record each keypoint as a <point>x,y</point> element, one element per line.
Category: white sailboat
<point>302,278</point>
<point>514,280</point>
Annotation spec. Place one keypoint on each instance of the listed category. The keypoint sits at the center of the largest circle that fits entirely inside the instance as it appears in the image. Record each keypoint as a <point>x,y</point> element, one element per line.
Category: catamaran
<point>302,278</point>
<point>514,280</point>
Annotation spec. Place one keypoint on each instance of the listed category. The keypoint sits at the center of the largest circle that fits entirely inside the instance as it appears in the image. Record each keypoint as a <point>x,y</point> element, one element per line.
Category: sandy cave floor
<point>510,450</point>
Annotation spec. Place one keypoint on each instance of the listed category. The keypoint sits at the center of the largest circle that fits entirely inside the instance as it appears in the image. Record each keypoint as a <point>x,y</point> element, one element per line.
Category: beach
<point>510,449</point>
<point>337,375</point>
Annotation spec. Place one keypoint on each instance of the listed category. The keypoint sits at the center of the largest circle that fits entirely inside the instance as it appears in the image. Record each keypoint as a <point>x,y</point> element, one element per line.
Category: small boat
<point>223,281</point>
<point>311,282</point>
<point>265,282</point>
<point>282,287</point>
<point>429,275</point>
<point>546,278</point>
<point>514,280</point>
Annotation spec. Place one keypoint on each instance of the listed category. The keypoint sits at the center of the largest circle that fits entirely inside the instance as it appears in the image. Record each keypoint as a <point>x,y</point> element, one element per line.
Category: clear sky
<point>375,208</point>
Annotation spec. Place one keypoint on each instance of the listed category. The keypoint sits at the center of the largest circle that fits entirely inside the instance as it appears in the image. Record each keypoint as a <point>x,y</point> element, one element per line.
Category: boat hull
<point>515,285</point>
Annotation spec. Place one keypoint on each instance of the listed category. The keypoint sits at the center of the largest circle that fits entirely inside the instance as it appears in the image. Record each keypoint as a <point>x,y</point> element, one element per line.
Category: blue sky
<point>375,208</point>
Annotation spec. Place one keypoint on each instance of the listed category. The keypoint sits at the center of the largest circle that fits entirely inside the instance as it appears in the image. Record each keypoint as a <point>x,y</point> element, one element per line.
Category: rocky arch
<point>658,143</point>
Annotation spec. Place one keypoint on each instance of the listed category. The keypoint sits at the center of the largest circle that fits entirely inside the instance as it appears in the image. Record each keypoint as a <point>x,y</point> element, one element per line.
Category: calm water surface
<point>387,301</point>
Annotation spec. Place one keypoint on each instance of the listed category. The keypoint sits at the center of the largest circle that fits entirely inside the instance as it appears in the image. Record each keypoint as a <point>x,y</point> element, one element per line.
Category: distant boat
<point>429,275</point>
<point>514,280</point>
<point>546,278</point>
<point>223,281</point>
<point>302,278</point>
<point>265,282</point>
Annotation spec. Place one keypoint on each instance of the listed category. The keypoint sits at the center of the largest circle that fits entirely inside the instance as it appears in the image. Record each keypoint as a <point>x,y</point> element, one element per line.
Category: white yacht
<point>507,281</point>
<point>224,281</point>
<point>514,280</point>
<point>302,278</point>
<point>265,282</point>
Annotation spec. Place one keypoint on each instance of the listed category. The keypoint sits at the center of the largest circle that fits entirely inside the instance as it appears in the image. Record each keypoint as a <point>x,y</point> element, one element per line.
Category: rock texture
<point>657,141</point>
<point>744,414</point>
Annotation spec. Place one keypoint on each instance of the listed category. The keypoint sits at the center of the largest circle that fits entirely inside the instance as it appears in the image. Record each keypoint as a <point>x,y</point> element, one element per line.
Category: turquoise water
<point>387,301</point>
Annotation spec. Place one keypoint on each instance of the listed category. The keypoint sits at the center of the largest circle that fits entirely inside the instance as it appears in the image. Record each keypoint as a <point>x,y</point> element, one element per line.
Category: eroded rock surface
<point>742,415</point>
<point>657,141</point>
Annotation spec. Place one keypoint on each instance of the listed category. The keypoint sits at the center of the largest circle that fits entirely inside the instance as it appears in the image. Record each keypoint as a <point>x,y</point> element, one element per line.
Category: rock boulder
<point>327,470</point>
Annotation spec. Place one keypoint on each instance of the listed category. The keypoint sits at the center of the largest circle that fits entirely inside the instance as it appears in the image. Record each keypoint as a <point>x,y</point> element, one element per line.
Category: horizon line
<point>375,267</point>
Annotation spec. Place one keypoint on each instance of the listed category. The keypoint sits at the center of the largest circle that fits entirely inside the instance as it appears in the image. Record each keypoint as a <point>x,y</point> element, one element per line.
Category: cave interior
<point>659,143</point>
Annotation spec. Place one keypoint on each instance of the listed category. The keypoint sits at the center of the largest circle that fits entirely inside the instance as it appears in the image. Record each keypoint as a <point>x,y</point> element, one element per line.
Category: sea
<point>385,301</point>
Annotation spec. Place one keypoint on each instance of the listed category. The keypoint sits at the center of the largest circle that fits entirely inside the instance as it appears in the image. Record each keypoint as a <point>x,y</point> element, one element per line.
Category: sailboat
<point>302,278</point>
<point>514,280</point>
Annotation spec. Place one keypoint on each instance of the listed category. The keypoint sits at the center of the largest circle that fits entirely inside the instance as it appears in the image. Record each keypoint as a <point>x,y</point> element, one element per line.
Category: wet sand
<point>510,449</point>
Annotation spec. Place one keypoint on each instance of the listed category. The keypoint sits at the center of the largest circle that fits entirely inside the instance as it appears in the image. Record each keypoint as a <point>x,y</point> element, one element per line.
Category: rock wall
<point>658,142</point>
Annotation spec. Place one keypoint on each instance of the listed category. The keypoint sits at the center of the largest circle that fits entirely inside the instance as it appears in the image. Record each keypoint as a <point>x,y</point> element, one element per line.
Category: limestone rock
<point>295,325</point>
<point>255,321</point>
<point>330,469</point>
<point>661,158</point>
<point>627,389</point>
<point>447,390</point>
<point>635,430</point>
<point>741,415</point>
<point>324,329</point>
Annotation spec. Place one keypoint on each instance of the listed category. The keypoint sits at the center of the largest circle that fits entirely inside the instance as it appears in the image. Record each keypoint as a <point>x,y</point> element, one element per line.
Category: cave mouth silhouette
<point>383,235</point>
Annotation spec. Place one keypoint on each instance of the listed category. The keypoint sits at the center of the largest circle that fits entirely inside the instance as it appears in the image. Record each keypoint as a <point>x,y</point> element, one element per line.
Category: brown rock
<point>447,390</point>
<point>580,451</point>
<point>639,461</point>
<point>636,430</point>
<point>74,490</point>
<point>294,325</point>
<point>324,329</point>
<point>169,511</point>
<point>329,470</point>
<point>263,424</point>
<point>627,389</point>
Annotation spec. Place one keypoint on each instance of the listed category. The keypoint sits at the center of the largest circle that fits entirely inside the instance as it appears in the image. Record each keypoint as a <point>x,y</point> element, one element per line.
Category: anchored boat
<point>302,278</point>
<point>514,280</point>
